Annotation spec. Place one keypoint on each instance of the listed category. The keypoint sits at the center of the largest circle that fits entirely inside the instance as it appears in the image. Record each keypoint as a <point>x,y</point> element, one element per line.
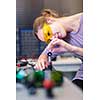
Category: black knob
<point>49,54</point>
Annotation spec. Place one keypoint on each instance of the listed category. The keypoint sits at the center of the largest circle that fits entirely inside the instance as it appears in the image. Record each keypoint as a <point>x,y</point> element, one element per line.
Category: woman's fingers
<point>41,65</point>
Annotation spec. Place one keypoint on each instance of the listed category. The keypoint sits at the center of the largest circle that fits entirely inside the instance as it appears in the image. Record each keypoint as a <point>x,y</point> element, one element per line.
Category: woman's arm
<point>74,49</point>
<point>67,46</point>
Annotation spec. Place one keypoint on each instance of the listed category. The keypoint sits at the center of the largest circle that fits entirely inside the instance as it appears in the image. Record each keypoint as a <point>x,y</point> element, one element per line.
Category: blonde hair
<point>39,21</point>
<point>50,12</point>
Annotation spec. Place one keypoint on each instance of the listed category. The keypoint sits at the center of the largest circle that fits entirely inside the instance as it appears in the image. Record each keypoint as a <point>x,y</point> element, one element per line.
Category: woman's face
<point>57,32</point>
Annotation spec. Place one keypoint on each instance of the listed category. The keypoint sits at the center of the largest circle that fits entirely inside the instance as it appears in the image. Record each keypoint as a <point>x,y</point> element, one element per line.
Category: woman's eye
<point>48,34</point>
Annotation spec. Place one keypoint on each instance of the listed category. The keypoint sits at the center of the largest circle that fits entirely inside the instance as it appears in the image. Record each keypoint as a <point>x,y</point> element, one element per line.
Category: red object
<point>48,84</point>
<point>18,65</point>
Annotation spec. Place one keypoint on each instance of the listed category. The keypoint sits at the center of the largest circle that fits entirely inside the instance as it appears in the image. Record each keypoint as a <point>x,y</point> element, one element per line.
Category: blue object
<point>32,90</point>
<point>20,75</point>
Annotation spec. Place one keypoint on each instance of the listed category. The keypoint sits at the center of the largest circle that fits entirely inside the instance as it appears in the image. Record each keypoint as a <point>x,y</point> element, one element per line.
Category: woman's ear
<point>49,20</point>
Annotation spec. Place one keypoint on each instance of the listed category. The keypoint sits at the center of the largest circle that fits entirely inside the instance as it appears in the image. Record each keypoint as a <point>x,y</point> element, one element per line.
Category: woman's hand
<point>64,47</point>
<point>42,62</point>
<point>60,42</point>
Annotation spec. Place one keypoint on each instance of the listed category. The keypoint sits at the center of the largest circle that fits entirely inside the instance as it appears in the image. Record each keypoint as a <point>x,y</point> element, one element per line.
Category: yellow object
<point>47,33</point>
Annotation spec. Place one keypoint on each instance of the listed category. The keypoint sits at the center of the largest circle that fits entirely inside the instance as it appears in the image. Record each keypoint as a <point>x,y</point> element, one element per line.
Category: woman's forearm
<point>74,49</point>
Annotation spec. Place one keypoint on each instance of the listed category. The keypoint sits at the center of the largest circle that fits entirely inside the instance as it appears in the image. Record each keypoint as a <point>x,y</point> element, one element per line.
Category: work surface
<point>69,64</point>
<point>67,91</point>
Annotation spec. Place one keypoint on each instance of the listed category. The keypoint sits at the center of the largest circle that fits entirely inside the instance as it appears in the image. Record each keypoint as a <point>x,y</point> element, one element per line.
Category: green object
<point>17,69</point>
<point>57,77</point>
<point>39,75</point>
<point>38,78</point>
<point>35,78</point>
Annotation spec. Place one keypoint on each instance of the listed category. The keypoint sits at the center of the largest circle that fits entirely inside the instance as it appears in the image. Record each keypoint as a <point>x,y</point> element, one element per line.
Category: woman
<point>64,34</point>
